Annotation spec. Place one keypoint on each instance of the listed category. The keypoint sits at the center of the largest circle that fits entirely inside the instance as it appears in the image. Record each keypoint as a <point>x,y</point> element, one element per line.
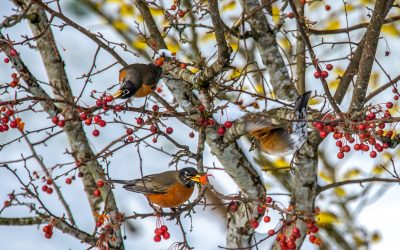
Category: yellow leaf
<point>259,88</point>
<point>377,170</point>
<point>352,173</point>
<point>340,192</point>
<point>114,1</point>
<point>139,18</point>
<point>284,43</point>
<point>338,71</point>
<point>172,46</point>
<point>376,237</point>
<point>193,70</point>
<point>120,25</point>
<point>275,13</point>
<point>333,24</point>
<point>156,11</point>
<point>315,100</point>
<point>326,218</point>
<point>229,6</point>
<point>234,74</point>
<point>349,7</point>
<point>207,37</point>
<point>391,30</point>
<point>333,84</point>
<point>126,10</point>
<point>324,176</point>
<point>281,163</point>
<point>139,44</point>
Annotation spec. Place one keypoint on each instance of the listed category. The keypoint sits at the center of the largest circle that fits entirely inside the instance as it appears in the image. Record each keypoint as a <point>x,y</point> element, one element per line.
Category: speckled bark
<point>78,142</point>
<point>381,9</point>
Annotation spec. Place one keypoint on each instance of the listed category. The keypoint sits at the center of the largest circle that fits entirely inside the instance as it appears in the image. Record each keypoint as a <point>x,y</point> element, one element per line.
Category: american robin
<point>138,80</point>
<point>168,189</point>
<point>280,137</point>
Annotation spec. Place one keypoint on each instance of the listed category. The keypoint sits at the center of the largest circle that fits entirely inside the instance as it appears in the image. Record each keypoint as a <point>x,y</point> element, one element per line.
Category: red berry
<point>48,235</point>
<point>183,65</point>
<point>155,108</point>
<point>54,120</point>
<point>267,219</point>
<point>312,238</point>
<point>139,121</point>
<point>83,116</point>
<point>5,119</point>
<point>96,132</point>
<point>261,210</point>
<point>47,229</point>
<point>290,14</point>
<point>7,203</point>
<point>13,124</point>
<point>96,193</point>
<point>221,131</point>
<point>99,223</point>
<point>153,129</point>
<point>315,229</point>
<point>327,7</point>
<point>269,199</point>
<point>340,155</point>
<point>44,188</point>
<point>154,139</point>
<point>329,66</point>
<point>157,238</point>
<point>181,13</point>
<point>102,123</point>
<point>130,138</point>
<point>191,134</point>
<point>291,244</point>
<point>100,183</point>
<point>346,148</point>
<point>201,108</point>
<point>13,52</point>
<point>324,74</point>
<point>339,144</point>
<point>271,232</point>
<point>97,118</point>
<point>49,190</point>
<point>61,123</point>
<point>14,75</point>
<point>389,105</point>
<point>254,224</point>
<point>317,74</point>
<point>372,154</point>
<point>228,124</point>
<point>166,235</point>
<point>109,98</point>
<point>99,103</point>
<point>118,108</point>
<point>173,7</point>
<point>88,121</point>
<point>164,228</point>
<point>169,130</point>
<point>357,147</point>
<point>6,60</point>
<point>323,134</point>
<point>129,131</point>
<point>361,127</point>
<point>68,181</point>
<point>49,181</point>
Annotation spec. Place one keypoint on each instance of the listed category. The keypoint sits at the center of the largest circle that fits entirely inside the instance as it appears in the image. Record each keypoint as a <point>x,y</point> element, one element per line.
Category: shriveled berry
<point>129,131</point>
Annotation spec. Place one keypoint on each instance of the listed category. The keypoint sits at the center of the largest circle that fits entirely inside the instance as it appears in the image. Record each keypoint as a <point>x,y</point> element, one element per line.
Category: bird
<point>168,189</point>
<point>283,135</point>
<point>138,80</point>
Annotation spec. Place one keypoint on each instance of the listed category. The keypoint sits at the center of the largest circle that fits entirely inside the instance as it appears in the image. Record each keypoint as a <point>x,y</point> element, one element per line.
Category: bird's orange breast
<point>176,195</point>
<point>144,90</point>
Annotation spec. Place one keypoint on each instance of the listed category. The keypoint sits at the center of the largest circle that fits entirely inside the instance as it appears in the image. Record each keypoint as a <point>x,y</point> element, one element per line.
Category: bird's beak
<point>117,94</point>
<point>202,179</point>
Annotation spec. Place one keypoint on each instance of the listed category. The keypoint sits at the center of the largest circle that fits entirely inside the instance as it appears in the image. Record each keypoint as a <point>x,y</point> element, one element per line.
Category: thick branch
<point>381,9</point>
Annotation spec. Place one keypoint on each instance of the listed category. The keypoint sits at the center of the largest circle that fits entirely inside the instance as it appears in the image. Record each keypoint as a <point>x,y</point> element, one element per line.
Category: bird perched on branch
<point>283,135</point>
<point>138,80</point>
<point>168,189</point>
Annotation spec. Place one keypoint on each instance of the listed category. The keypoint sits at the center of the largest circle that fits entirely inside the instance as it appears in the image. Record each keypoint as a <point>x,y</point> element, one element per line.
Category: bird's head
<point>189,176</point>
<point>126,90</point>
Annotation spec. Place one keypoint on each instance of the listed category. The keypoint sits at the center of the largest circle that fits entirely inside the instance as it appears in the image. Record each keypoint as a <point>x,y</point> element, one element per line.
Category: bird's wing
<point>132,71</point>
<point>152,79</point>
<point>152,184</point>
<point>256,123</point>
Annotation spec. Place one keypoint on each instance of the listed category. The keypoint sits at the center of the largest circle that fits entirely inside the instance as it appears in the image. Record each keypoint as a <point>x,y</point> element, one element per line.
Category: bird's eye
<point>125,92</point>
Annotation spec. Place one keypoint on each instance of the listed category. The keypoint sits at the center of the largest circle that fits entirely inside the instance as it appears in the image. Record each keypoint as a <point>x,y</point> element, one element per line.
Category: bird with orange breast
<point>168,189</point>
<point>279,131</point>
<point>138,80</point>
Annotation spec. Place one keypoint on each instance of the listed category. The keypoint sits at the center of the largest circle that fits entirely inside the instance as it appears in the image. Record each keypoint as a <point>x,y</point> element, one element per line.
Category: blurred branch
<point>356,181</point>
<point>269,51</point>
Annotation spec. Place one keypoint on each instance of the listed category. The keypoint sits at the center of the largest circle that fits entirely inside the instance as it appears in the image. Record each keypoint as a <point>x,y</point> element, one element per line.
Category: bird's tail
<point>301,102</point>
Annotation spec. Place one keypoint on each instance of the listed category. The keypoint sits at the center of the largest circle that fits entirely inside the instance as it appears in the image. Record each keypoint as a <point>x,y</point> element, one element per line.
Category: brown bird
<point>138,80</point>
<point>168,189</point>
<point>280,137</point>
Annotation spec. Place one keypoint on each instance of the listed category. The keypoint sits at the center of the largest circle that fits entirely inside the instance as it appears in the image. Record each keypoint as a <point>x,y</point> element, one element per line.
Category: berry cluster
<point>15,81</point>
<point>368,134</point>
<point>48,231</point>
<point>13,53</point>
<point>7,121</point>
<point>175,12</point>
<point>47,187</point>
<point>312,229</point>
<point>323,74</point>
<point>161,231</point>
